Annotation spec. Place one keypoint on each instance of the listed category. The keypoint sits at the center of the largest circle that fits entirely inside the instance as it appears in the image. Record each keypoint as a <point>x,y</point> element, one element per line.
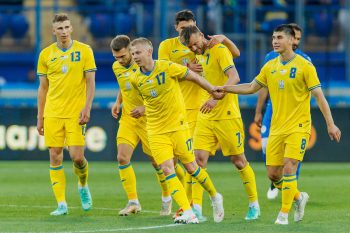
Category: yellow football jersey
<point>173,50</point>
<point>131,96</point>
<point>160,90</point>
<point>215,61</point>
<point>289,86</point>
<point>65,68</point>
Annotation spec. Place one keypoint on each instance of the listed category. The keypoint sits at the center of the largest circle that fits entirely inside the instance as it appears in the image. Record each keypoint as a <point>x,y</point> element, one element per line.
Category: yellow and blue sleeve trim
<point>230,66</point>
<point>90,70</point>
<point>185,75</point>
<point>260,83</point>
<point>314,87</point>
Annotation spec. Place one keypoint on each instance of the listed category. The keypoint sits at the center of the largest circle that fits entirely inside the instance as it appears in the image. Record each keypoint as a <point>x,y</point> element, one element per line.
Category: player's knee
<point>201,161</point>
<point>239,161</point>
<point>290,166</point>
<point>191,167</point>
<point>56,156</point>
<point>123,158</point>
<point>274,176</point>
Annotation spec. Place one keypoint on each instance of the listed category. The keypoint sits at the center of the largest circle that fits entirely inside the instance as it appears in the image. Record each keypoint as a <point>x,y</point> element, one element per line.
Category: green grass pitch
<point>26,200</point>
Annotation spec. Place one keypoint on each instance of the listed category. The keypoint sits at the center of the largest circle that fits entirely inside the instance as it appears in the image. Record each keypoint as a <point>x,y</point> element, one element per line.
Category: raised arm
<point>333,131</point>
<point>263,93</point>
<point>216,39</point>
<point>42,92</point>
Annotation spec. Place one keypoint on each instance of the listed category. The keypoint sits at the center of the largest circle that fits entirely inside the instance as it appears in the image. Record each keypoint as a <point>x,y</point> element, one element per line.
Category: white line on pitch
<point>72,207</point>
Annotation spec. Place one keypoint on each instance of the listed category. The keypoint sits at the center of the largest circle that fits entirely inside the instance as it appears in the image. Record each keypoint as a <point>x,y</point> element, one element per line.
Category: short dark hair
<point>119,42</point>
<point>286,28</point>
<point>184,15</point>
<point>141,40</point>
<point>61,17</point>
<point>296,27</point>
<point>187,32</point>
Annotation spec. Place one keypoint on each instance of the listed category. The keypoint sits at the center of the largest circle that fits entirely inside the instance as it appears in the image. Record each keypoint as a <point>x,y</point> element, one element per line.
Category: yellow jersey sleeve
<point>42,66</point>
<point>311,77</point>
<point>224,57</point>
<point>261,78</point>
<point>177,71</point>
<point>89,60</point>
<point>164,51</point>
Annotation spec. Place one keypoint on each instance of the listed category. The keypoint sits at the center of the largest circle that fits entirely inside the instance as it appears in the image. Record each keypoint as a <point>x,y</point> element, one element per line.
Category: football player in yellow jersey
<point>167,127</point>
<point>67,85</point>
<point>132,127</point>
<point>290,80</point>
<point>220,121</point>
<point>174,50</point>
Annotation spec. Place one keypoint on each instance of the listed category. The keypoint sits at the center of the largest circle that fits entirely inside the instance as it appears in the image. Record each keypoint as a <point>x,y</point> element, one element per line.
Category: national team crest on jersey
<point>154,93</point>
<point>281,84</point>
<point>127,86</point>
<point>64,69</point>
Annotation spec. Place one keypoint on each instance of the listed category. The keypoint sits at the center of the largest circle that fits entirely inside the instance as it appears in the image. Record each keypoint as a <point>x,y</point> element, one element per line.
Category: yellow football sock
<point>202,177</point>
<point>289,189</point>
<point>82,171</point>
<point>128,179</point>
<point>188,186</point>
<point>248,178</point>
<point>197,191</point>
<point>162,182</point>
<point>297,194</point>
<point>58,182</point>
<point>178,192</point>
<point>278,184</point>
<point>180,173</point>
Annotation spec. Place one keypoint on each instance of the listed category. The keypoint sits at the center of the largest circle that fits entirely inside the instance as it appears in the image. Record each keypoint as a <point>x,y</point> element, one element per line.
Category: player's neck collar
<point>289,60</point>
<point>147,73</point>
<point>64,49</point>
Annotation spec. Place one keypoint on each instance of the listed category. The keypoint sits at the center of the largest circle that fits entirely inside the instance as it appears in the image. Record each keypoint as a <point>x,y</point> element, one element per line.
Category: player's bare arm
<point>116,106</point>
<point>90,93</point>
<point>243,89</point>
<point>42,92</point>
<point>216,39</point>
<point>263,93</point>
<point>333,131</point>
<point>195,67</point>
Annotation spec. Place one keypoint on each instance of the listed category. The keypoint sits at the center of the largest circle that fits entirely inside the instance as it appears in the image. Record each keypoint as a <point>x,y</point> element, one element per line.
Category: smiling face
<point>62,31</point>
<point>123,56</point>
<point>281,41</point>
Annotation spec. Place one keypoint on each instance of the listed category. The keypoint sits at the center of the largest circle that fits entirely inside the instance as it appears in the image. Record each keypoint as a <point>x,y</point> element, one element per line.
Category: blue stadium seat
<point>19,26</point>
<point>147,24</point>
<point>4,19</point>
<point>269,25</point>
<point>123,23</point>
<point>323,24</point>
<point>100,25</point>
